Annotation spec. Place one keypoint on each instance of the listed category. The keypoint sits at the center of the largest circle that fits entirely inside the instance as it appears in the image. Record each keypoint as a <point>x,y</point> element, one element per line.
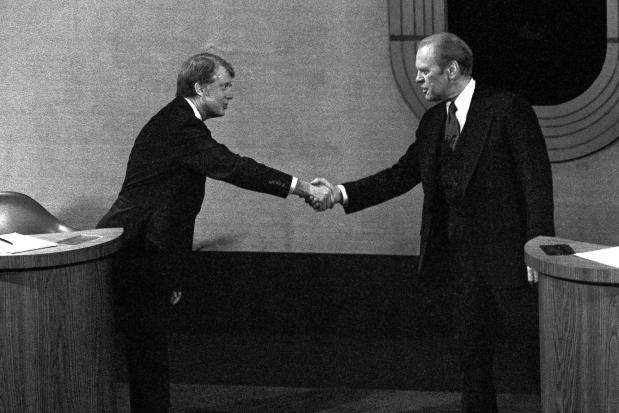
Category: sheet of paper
<point>607,256</point>
<point>78,239</point>
<point>14,243</point>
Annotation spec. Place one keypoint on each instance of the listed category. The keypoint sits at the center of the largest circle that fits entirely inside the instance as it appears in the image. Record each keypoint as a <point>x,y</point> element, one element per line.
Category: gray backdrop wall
<point>314,95</point>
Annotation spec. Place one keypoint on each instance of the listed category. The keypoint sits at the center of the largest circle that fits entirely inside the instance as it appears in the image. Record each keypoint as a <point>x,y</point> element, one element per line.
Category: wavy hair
<point>199,68</point>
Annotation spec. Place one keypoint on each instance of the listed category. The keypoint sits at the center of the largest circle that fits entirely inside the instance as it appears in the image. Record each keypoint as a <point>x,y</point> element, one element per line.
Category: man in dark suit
<point>157,206</point>
<point>482,161</point>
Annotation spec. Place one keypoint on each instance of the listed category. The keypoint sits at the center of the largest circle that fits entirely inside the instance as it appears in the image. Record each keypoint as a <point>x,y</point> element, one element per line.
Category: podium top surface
<point>569,267</point>
<point>74,247</point>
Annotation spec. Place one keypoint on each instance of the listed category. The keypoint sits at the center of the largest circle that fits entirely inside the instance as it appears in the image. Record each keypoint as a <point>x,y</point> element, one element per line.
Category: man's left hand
<point>532,275</point>
<point>176,297</point>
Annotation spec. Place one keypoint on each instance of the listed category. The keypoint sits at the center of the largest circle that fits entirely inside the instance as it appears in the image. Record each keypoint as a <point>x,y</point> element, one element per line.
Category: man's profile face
<point>216,95</point>
<point>432,80</point>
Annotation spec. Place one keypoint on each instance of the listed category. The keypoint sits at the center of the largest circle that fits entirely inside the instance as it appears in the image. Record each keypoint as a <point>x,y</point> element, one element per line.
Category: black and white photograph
<point>309,206</point>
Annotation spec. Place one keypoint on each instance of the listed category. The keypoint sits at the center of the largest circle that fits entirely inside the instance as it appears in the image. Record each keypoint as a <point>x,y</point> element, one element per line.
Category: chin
<point>215,115</point>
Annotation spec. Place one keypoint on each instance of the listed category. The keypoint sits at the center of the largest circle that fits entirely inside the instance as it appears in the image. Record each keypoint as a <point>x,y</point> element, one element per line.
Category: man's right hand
<point>334,192</point>
<point>320,197</point>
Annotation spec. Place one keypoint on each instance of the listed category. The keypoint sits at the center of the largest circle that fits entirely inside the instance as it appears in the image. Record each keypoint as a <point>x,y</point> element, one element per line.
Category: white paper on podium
<point>607,256</point>
<point>14,243</point>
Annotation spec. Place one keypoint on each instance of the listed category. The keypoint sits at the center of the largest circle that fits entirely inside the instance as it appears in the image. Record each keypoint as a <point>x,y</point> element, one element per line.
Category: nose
<point>418,78</point>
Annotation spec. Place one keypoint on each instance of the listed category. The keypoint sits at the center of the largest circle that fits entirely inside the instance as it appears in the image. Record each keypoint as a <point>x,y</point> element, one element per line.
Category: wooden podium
<point>579,329</point>
<point>57,326</point>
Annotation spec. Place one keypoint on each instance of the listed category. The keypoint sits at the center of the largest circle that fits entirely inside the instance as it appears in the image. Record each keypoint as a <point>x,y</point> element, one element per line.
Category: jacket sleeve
<point>386,184</point>
<point>197,150</point>
<point>532,167</point>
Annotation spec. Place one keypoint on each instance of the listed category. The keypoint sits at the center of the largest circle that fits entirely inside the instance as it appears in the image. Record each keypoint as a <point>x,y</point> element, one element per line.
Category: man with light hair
<point>161,196</point>
<point>481,159</point>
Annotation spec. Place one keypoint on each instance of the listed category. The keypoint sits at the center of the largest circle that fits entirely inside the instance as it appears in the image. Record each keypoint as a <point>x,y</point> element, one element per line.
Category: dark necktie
<point>452,127</point>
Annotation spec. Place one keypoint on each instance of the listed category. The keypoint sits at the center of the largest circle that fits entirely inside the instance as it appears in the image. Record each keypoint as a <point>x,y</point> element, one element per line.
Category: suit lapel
<point>476,128</point>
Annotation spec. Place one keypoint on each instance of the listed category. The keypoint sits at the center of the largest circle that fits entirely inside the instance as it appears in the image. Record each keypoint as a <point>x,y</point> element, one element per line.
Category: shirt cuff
<point>293,185</point>
<point>344,195</point>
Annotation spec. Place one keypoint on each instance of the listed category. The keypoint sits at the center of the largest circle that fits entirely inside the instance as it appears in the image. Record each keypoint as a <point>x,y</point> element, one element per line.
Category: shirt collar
<point>195,109</point>
<point>463,102</point>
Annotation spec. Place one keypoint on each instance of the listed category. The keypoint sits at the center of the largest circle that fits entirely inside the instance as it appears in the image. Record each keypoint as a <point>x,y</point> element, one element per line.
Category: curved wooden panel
<point>579,326</point>
<point>579,329</point>
<point>568,266</point>
<point>57,322</point>
<point>572,129</point>
<point>57,340</point>
<point>109,243</point>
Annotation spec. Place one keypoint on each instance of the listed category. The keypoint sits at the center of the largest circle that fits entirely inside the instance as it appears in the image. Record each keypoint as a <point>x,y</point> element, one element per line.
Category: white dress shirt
<point>463,103</point>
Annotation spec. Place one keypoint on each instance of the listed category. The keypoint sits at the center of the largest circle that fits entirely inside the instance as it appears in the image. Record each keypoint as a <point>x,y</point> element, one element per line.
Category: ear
<point>453,68</point>
<point>200,90</point>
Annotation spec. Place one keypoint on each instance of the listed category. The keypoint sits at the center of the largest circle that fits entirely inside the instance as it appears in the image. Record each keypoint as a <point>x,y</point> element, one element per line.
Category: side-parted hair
<point>448,47</point>
<point>199,68</point>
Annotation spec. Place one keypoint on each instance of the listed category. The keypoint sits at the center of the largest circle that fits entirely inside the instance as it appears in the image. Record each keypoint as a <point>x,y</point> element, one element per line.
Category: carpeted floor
<point>199,398</point>
<point>266,332</point>
<point>423,363</point>
<point>251,372</point>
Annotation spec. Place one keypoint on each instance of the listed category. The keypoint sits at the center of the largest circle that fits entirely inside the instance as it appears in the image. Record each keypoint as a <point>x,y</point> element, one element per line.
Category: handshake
<point>320,194</point>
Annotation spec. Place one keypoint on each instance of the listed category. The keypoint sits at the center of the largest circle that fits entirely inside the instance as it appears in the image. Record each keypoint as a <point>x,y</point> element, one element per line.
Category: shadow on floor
<point>188,398</point>
<point>424,363</point>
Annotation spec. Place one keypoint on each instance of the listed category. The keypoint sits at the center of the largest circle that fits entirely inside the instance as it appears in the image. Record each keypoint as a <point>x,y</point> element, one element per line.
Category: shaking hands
<point>325,195</point>
<point>320,194</point>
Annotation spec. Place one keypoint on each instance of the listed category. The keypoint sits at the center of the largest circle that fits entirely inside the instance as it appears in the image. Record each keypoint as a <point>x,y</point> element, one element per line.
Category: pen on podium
<point>8,242</point>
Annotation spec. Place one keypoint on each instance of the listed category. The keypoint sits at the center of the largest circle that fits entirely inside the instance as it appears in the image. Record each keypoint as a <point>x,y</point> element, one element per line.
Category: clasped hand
<point>323,195</point>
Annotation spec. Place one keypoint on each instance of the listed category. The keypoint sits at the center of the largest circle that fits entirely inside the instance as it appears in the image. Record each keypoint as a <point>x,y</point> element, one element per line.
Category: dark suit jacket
<point>163,189</point>
<point>505,190</point>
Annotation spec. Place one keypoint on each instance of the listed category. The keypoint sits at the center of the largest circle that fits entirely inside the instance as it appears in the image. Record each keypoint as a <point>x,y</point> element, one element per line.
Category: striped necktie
<point>452,126</point>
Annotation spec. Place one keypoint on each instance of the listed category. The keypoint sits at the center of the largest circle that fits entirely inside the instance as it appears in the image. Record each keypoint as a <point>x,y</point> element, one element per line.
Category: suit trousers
<point>142,312</point>
<point>481,315</point>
